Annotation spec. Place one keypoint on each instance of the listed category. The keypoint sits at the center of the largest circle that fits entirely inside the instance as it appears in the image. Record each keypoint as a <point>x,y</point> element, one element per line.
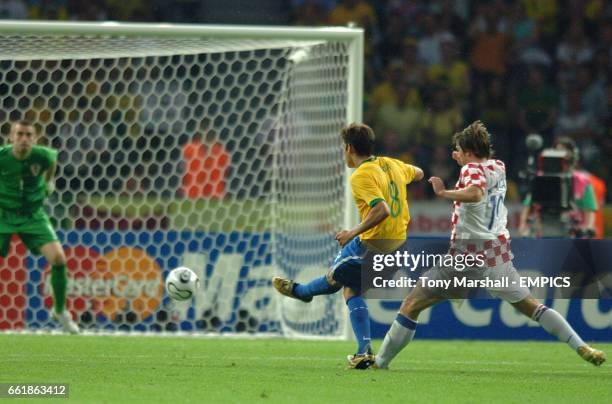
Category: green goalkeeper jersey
<point>23,188</point>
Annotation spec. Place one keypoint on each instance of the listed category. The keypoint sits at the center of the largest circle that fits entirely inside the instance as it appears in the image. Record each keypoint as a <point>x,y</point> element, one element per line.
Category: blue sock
<point>360,320</point>
<point>318,286</point>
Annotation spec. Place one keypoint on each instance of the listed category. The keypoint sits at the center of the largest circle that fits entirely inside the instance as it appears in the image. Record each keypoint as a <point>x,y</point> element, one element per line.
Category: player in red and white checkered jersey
<point>479,227</point>
<point>481,220</point>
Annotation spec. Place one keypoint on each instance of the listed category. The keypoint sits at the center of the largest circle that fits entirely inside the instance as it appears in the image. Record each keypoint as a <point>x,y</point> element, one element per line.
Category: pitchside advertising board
<point>122,286</point>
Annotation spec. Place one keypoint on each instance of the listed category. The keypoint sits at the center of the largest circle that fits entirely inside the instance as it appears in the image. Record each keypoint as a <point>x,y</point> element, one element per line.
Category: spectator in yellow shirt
<point>362,14</point>
<point>357,11</point>
<point>451,71</point>
<point>386,92</point>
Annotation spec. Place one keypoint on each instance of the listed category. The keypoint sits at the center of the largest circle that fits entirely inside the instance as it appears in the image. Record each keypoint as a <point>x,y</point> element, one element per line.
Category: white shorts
<point>502,281</point>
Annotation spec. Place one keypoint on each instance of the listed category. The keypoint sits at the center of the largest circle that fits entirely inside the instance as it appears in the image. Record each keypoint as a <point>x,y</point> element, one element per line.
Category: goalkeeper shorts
<point>35,230</point>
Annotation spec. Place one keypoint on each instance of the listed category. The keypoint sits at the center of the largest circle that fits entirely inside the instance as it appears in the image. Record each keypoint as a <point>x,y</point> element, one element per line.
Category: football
<point>182,283</point>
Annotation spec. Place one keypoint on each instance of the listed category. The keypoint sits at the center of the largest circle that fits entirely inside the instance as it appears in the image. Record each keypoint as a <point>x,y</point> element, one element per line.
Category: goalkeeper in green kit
<point>26,178</point>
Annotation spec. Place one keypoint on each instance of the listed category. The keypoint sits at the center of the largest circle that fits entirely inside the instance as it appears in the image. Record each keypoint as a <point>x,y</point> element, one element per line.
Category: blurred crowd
<point>432,66</point>
<point>526,66</point>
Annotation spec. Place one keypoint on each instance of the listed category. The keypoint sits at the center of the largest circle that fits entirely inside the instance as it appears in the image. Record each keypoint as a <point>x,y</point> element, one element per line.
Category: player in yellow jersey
<point>379,188</point>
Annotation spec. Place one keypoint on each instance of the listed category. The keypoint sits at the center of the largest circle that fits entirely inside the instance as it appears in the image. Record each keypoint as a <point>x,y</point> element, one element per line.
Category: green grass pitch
<point>217,370</point>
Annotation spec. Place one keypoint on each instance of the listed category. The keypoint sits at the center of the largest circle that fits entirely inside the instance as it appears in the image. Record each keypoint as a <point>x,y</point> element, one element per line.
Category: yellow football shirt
<point>378,179</point>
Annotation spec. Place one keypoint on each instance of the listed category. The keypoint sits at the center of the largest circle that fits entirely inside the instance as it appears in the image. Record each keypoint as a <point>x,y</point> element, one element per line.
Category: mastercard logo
<point>123,281</point>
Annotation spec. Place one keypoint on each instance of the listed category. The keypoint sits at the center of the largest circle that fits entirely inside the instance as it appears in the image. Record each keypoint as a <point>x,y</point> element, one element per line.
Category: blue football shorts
<point>346,269</point>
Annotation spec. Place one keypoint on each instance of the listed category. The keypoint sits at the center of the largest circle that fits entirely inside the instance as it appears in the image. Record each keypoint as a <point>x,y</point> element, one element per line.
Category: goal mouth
<point>216,148</point>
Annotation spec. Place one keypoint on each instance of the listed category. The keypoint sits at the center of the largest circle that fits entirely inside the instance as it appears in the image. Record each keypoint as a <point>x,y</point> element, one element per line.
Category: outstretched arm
<point>470,194</point>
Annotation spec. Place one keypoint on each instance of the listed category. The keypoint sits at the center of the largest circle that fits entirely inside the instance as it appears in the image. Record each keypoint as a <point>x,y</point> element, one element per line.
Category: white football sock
<point>398,336</point>
<point>556,325</point>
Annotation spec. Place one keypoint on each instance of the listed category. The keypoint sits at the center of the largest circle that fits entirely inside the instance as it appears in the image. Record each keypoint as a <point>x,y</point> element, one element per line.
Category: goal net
<point>215,148</point>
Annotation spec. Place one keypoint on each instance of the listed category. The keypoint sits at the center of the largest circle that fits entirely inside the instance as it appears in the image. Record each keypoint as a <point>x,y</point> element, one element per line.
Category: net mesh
<point>220,155</point>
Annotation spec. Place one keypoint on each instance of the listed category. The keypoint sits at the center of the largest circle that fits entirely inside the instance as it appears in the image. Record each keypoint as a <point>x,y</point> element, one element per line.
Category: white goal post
<point>213,147</point>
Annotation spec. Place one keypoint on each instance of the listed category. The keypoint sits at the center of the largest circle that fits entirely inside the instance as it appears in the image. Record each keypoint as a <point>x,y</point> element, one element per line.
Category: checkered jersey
<point>494,252</point>
<point>480,228</point>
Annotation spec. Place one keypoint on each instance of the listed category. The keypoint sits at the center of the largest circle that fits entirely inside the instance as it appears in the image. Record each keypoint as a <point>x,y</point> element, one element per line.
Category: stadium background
<point>428,69</point>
